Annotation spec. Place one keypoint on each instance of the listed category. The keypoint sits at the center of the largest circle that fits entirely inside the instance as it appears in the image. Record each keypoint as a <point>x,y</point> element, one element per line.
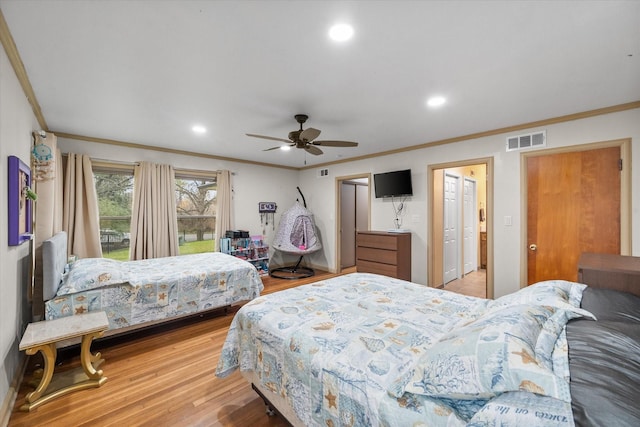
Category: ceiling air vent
<point>529,140</point>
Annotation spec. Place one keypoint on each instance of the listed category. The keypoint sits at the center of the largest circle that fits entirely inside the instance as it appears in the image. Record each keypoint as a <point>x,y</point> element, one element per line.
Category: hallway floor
<point>473,284</point>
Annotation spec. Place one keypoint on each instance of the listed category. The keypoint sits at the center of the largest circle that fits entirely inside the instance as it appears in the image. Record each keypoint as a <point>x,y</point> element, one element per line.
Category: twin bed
<point>368,350</point>
<point>136,294</point>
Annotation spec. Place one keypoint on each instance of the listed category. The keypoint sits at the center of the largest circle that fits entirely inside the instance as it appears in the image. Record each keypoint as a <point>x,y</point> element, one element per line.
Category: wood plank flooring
<point>161,377</point>
<point>473,284</point>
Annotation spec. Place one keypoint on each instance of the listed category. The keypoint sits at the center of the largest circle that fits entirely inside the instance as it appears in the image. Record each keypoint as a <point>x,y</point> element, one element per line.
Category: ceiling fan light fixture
<point>341,32</point>
<point>285,147</point>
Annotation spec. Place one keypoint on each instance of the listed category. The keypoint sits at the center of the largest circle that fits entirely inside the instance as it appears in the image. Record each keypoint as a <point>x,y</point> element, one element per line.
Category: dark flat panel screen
<point>397,183</point>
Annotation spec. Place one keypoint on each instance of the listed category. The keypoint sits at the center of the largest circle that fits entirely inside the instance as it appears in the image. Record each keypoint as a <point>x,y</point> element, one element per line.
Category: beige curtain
<point>80,218</point>
<point>46,172</point>
<point>223,205</point>
<point>48,178</point>
<point>154,222</point>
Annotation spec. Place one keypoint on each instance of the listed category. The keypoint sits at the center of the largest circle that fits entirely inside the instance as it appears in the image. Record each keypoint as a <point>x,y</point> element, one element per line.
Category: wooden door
<point>573,206</point>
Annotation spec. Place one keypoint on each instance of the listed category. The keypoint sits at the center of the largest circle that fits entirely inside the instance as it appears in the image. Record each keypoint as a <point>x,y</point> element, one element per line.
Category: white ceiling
<point>146,71</point>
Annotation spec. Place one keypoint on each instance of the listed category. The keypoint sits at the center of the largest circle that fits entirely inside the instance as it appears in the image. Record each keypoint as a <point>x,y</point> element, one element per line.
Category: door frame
<point>338,191</point>
<point>488,162</point>
<point>625,193</point>
<point>474,232</point>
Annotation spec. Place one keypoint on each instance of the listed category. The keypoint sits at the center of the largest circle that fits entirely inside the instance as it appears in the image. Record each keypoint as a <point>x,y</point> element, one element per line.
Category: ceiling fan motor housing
<point>294,135</point>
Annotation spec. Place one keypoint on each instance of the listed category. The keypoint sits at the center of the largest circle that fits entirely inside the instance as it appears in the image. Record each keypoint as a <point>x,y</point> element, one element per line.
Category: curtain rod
<point>133,164</point>
<point>119,162</point>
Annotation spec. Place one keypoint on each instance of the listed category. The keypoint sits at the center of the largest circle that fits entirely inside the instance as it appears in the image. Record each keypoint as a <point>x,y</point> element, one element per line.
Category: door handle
<point>533,247</point>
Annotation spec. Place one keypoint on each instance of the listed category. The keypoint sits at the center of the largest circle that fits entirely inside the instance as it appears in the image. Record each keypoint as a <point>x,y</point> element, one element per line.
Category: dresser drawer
<point>379,241</point>
<point>376,255</point>
<point>377,268</point>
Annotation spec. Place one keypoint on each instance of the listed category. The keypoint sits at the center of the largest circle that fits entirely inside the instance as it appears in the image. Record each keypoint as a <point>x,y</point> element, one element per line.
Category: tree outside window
<point>195,205</point>
<point>114,190</point>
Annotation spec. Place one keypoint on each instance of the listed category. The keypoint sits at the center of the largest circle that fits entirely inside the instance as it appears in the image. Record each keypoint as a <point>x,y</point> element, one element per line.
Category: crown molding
<point>16,62</point>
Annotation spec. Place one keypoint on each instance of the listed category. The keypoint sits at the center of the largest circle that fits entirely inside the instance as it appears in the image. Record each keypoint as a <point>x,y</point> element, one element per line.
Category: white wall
<point>251,183</point>
<point>320,192</point>
<point>17,121</point>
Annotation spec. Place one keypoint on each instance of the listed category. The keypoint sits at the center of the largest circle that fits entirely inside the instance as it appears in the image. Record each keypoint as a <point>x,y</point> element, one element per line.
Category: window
<point>195,205</point>
<point>114,188</point>
<point>196,208</point>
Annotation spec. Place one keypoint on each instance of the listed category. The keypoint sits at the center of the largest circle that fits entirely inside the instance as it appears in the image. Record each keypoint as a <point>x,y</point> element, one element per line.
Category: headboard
<point>54,260</point>
<point>618,272</point>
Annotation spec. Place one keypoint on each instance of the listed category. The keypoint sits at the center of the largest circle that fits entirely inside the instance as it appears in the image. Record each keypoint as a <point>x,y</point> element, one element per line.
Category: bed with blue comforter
<point>140,293</point>
<point>369,350</point>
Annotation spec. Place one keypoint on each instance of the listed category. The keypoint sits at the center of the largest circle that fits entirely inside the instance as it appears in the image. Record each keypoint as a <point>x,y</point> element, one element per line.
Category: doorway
<point>459,201</point>
<point>575,203</point>
<point>353,212</point>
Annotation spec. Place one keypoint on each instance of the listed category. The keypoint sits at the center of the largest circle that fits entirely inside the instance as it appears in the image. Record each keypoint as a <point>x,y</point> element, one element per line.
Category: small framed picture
<point>19,203</point>
<point>267,207</point>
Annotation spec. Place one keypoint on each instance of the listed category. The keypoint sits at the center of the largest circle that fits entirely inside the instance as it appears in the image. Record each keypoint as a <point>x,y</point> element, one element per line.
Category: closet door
<point>347,225</point>
<point>451,221</point>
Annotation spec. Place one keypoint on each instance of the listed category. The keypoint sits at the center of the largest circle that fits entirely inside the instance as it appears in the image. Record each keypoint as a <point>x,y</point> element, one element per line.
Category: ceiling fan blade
<point>268,137</point>
<point>309,134</point>
<point>312,149</point>
<point>272,148</point>
<point>336,143</point>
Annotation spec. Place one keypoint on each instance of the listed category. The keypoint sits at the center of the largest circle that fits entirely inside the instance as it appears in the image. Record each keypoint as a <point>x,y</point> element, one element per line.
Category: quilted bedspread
<point>368,350</point>
<point>134,292</point>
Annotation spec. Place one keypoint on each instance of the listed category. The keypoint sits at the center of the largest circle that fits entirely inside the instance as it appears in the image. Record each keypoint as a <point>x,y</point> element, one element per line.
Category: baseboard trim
<point>12,394</point>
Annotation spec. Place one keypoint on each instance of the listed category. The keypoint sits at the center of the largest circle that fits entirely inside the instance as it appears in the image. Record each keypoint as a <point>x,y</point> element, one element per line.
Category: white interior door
<point>450,250</point>
<point>469,235</point>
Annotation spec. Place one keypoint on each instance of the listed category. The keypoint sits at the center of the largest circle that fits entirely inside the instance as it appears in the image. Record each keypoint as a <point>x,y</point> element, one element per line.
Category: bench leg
<point>49,353</point>
<point>90,361</point>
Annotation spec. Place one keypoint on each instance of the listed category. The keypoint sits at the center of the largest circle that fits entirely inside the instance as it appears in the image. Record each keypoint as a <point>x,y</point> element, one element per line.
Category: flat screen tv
<point>393,184</point>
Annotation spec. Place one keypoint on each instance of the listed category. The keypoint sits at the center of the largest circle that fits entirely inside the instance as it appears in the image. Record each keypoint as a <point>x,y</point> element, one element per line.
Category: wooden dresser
<point>383,252</point>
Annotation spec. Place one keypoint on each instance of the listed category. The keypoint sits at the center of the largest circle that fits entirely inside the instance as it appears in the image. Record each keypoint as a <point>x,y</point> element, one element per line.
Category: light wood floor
<point>162,377</point>
<point>473,284</point>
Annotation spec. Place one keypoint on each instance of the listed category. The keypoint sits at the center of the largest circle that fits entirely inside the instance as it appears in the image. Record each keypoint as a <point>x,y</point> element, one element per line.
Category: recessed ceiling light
<point>436,101</point>
<point>285,147</point>
<point>341,32</point>
<point>199,129</point>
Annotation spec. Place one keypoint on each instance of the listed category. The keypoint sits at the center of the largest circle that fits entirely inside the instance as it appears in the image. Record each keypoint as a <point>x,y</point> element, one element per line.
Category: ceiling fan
<point>305,138</point>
